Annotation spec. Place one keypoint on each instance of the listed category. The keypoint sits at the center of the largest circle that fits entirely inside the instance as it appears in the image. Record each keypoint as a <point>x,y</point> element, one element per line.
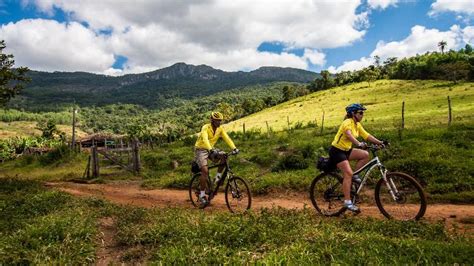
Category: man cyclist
<point>341,151</point>
<point>204,149</point>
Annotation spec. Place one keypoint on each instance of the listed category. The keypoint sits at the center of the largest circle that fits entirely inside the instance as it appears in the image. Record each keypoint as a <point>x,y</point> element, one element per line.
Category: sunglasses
<point>360,112</point>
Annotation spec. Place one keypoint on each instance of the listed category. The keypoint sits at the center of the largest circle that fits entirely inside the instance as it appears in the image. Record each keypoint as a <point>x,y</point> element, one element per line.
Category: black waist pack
<point>195,167</point>
<point>324,165</point>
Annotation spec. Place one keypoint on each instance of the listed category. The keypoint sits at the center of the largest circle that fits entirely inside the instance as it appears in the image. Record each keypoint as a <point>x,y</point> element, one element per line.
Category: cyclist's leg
<point>345,167</point>
<point>201,156</point>
<point>361,156</point>
<point>203,179</point>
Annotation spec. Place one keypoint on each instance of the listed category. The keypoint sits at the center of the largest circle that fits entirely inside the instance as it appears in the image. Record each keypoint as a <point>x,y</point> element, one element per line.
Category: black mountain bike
<point>397,195</point>
<point>237,192</point>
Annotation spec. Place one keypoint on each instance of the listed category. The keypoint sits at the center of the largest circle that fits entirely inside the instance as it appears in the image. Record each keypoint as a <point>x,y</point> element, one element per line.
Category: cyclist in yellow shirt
<point>341,151</point>
<point>204,149</point>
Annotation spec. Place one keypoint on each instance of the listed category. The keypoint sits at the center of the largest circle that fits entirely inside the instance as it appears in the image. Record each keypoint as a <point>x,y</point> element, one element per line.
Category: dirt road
<point>132,194</point>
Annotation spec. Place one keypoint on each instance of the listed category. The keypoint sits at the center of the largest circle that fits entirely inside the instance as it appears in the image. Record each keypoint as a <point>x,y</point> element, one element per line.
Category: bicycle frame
<point>368,167</point>
<point>221,181</point>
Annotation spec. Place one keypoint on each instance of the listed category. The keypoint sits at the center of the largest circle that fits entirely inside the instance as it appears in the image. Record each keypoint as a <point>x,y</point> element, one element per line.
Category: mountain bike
<point>237,192</point>
<point>397,195</point>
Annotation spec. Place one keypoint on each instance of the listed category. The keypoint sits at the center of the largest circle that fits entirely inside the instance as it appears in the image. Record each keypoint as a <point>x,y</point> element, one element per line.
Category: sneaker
<point>356,179</point>
<point>203,202</point>
<point>352,207</point>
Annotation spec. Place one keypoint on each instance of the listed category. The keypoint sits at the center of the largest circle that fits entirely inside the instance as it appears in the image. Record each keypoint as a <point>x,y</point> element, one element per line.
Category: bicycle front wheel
<point>237,195</point>
<point>326,194</point>
<point>408,201</point>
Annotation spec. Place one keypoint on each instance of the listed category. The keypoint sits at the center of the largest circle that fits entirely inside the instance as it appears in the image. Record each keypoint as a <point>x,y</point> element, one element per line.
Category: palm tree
<point>442,45</point>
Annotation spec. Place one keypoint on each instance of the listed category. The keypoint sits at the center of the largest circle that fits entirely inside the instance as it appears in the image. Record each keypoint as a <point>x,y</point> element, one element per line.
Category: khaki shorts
<point>201,156</point>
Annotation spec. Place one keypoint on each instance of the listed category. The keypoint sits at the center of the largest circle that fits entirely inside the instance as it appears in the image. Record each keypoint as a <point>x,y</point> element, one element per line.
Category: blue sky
<point>120,37</point>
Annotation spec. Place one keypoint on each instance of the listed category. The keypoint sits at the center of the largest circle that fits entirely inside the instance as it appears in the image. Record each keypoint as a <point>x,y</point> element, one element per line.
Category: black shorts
<point>337,155</point>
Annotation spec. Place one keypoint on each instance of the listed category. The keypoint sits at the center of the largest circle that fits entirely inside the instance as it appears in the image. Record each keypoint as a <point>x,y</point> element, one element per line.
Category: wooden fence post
<point>95,162</point>
<point>288,121</point>
<point>268,129</point>
<point>136,157</point>
<point>322,124</point>
<point>449,108</point>
<point>403,115</point>
<point>243,127</point>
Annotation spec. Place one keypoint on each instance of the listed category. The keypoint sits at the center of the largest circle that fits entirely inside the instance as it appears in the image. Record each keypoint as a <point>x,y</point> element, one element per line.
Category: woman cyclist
<point>341,151</point>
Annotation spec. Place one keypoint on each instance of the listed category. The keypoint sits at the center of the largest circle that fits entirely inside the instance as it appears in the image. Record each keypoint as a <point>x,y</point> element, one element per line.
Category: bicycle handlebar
<point>376,147</point>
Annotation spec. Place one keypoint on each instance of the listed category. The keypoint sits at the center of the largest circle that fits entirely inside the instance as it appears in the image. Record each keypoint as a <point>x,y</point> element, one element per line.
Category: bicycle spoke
<point>408,201</point>
<point>237,195</point>
<point>326,195</point>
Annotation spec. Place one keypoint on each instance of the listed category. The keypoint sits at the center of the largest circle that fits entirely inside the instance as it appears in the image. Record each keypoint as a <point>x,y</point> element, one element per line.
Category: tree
<point>369,74</point>
<point>227,110</point>
<point>377,60</point>
<point>442,45</point>
<point>11,80</point>
<point>468,49</point>
<point>49,129</point>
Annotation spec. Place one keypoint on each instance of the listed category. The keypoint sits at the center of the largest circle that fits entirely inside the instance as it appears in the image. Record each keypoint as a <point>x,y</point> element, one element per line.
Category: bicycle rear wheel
<point>195,189</point>
<point>326,194</point>
<point>237,195</point>
<point>409,202</point>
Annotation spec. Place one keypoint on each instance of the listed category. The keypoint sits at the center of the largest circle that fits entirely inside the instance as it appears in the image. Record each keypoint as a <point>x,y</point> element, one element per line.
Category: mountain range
<point>53,89</point>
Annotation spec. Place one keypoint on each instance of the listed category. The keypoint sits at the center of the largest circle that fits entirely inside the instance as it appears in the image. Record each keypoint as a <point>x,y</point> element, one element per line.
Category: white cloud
<point>352,65</point>
<point>382,4</point>
<point>223,34</point>
<point>468,35</point>
<point>49,45</point>
<point>420,41</point>
<point>315,57</point>
<point>458,6</point>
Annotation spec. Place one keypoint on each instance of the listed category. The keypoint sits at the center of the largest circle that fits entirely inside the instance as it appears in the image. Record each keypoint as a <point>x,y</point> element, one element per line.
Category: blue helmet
<point>354,108</point>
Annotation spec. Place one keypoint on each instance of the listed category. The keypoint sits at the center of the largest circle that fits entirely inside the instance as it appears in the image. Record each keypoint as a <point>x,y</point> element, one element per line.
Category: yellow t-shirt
<point>341,141</point>
<point>208,138</point>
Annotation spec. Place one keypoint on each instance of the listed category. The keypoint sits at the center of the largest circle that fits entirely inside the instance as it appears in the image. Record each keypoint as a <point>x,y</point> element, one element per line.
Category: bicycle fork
<point>392,189</point>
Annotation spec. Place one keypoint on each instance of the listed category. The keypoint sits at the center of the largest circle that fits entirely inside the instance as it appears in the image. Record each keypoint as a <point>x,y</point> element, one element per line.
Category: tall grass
<point>280,236</point>
<point>44,227</point>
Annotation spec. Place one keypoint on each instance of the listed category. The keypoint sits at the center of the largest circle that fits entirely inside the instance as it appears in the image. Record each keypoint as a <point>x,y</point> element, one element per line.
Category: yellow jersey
<point>341,141</point>
<point>207,137</point>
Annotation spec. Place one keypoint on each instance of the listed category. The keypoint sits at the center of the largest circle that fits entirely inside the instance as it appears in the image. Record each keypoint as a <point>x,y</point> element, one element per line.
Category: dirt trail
<point>132,194</point>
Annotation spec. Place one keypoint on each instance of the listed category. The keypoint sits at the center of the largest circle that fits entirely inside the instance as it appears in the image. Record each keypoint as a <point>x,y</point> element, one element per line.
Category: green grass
<point>280,236</point>
<point>425,102</point>
<point>42,226</point>
<point>38,226</point>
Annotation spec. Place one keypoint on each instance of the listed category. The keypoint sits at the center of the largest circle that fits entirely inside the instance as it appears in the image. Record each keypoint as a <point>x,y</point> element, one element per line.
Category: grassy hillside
<point>28,129</point>
<point>425,103</point>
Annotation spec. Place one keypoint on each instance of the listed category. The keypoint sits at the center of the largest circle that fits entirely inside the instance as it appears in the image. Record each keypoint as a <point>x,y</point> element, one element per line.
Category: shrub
<point>291,162</point>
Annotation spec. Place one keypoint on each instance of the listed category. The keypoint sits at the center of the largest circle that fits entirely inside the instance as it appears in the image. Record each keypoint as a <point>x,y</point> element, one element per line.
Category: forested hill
<point>151,89</point>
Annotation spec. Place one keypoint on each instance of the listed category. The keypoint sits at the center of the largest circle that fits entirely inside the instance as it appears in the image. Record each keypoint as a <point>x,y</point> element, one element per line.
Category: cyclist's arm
<point>227,139</point>
<point>368,137</point>
<point>374,140</point>
<point>351,137</point>
<point>205,138</point>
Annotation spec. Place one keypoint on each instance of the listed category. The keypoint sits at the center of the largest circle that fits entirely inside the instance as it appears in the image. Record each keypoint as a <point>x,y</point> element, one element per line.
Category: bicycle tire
<point>237,193</point>
<point>411,199</point>
<point>195,189</point>
<point>326,194</point>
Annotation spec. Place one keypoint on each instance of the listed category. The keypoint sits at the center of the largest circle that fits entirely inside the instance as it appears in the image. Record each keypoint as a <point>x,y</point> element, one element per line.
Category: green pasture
<point>425,102</point>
